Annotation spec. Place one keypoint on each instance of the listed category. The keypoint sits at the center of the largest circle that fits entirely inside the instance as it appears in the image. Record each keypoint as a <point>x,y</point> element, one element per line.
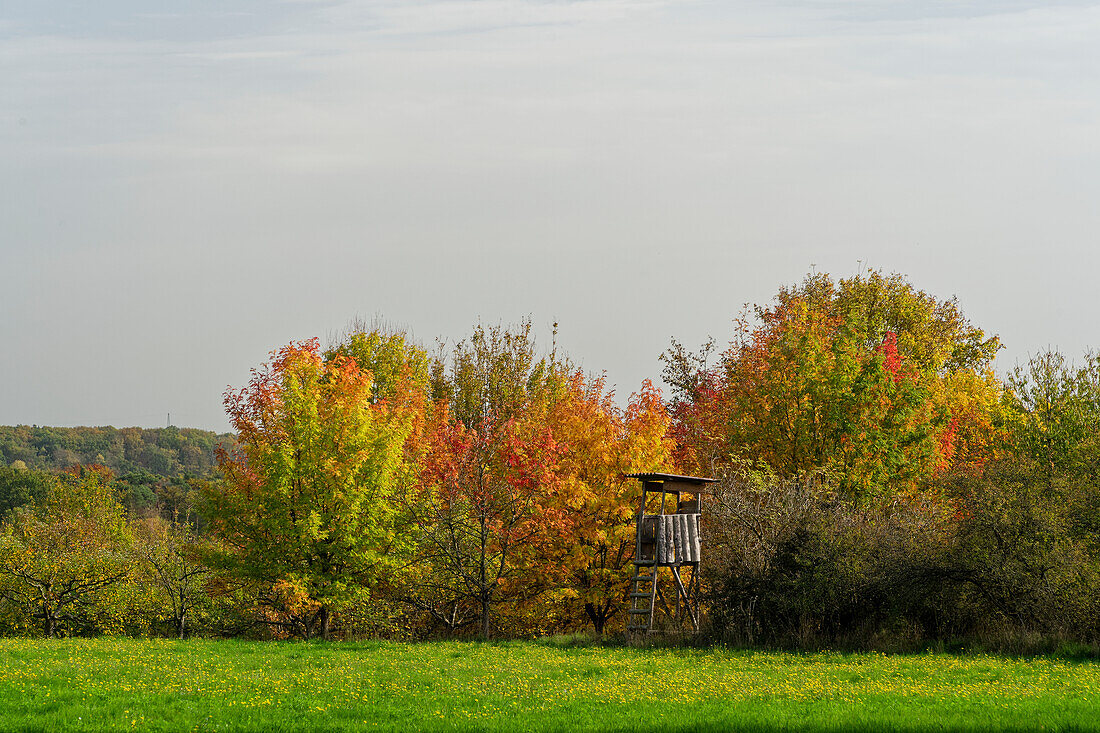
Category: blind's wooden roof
<point>672,478</point>
<point>676,483</point>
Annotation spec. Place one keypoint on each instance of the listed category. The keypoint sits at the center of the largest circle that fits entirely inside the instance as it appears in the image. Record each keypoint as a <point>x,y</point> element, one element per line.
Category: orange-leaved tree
<point>595,504</point>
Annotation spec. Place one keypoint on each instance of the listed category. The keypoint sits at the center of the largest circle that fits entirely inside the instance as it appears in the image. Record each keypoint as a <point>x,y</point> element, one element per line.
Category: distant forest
<point>148,461</point>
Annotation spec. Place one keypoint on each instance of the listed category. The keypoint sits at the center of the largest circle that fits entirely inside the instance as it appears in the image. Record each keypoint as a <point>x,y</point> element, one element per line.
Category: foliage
<point>308,505</point>
<point>1029,523</point>
<point>1056,411</point>
<point>869,379</point>
<point>59,561</point>
<point>879,487</point>
<point>523,507</point>
<point>790,564</point>
<point>168,554</point>
<point>164,452</point>
<point>487,477</point>
<point>595,504</point>
<point>394,362</point>
<point>1019,558</point>
<point>1008,550</point>
<point>482,511</point>
<point>20,486</point>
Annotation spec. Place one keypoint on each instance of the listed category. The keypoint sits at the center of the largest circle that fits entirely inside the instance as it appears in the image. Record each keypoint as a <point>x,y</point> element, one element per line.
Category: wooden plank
<point>670,539</point>
<point>674,526</point>
<point>646,536</point>
<point>689,545</point>
<point>657,544</point>
<point>685,548</point>
<point>683,487</point>
<point>698,535</point>
<point>692,550</point>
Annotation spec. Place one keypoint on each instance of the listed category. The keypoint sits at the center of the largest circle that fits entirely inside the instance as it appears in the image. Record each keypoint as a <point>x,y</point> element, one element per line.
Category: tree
<point>166,451</point>
<point>869,379</point>
<point>487,475</point>
<point>308,505</point>
<point>1053,437</point>
<point>595,504</point>
<point>393,361</point>
<point>1019,551</point>
<point>1056,414</point>
<point>698,428</point>
<point>62,556</point>
<point>166,550</point>
<point>20,485</point>
<point>482,511</point>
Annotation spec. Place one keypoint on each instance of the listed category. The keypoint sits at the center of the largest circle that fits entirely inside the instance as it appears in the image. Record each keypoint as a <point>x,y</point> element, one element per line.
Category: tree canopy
<point>868,379</point>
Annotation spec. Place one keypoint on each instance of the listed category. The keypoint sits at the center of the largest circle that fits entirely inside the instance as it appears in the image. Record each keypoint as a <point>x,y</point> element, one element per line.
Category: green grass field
<point>121,684</point>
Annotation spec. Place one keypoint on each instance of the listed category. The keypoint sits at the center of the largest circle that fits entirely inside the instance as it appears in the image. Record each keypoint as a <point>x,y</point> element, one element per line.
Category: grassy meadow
<point>126,684</point>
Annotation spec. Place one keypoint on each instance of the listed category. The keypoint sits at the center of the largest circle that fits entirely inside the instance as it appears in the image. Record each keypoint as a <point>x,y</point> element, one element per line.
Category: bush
<point>998,557</point>
<point>792,564</point>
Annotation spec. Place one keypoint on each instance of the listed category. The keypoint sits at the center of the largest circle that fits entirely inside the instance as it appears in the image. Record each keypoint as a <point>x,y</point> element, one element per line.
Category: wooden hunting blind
<point>667,537</point>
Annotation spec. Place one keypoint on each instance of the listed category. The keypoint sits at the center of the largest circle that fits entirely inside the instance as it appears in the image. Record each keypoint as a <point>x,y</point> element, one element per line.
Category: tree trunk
<point>326,621</point>
<point>596,616</point>
<point>181,625</point>
<point>51,624</point>
<point>485,618</point>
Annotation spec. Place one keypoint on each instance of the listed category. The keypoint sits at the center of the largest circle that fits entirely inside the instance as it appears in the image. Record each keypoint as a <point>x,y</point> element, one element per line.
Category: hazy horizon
<point>188,189</point>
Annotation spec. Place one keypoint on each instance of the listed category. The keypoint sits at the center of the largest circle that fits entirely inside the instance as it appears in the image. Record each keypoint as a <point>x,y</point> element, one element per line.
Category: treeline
<point>374,488</point>
<point>155,466</point>
<point>164,452</point>
<point>878,485</point>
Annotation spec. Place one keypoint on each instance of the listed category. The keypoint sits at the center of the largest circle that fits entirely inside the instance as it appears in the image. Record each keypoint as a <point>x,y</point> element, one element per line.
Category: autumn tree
<point>308,506</point>
<point>487,474</point>
<point>484,511</point>
<point>59,558</point>
<point>524,504</point>
<point>398,367</point>
<point>869,379</point>
<point>595,504</point>
<point>699,418</point>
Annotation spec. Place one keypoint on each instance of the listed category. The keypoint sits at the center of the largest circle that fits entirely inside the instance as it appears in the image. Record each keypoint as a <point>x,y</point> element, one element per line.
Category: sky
<point>186,185</point>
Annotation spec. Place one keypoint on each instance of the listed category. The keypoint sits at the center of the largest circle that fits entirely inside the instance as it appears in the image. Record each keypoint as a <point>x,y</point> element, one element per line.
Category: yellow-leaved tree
<point>309,509</point>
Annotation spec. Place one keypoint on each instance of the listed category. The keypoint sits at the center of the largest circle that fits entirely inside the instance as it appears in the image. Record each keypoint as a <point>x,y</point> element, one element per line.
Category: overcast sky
<point>188,184</point>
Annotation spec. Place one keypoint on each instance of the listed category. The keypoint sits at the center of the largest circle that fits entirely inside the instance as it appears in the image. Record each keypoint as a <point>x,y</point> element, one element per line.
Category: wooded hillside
<point>167,452</point>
